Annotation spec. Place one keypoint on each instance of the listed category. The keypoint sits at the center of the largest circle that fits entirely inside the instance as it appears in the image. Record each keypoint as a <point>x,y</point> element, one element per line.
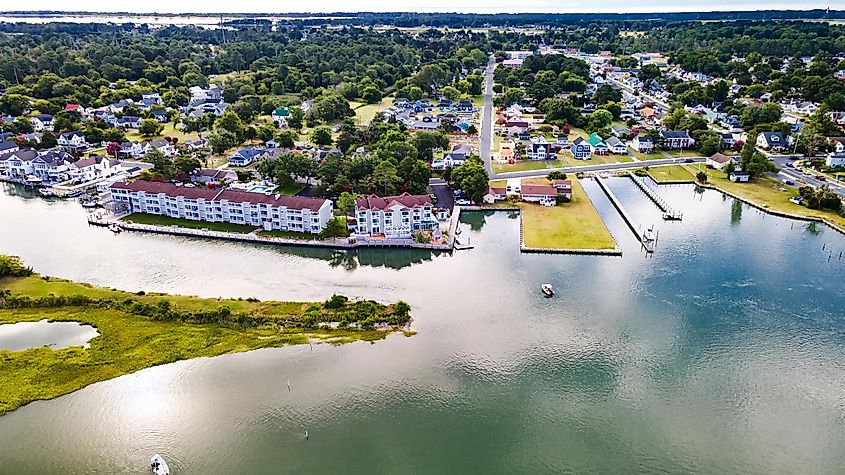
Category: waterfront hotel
<point>272,212</point>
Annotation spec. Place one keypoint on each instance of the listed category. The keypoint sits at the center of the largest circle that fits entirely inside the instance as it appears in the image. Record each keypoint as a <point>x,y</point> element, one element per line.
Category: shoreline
<point>137,330</point>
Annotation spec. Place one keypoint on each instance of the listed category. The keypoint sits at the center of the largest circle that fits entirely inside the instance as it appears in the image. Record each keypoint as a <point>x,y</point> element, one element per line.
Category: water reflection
<point>55,335</point>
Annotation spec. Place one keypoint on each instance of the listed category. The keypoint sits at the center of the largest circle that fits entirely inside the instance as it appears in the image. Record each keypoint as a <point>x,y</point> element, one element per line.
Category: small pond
<point>55,335</point>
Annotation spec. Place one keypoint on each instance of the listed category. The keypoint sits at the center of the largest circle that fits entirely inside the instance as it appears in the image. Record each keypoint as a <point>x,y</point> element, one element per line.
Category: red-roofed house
<point>563,187</point>
<point>394,216</point>
<point>495,194</point>
<point>272,212</point>
<point>544,194</point>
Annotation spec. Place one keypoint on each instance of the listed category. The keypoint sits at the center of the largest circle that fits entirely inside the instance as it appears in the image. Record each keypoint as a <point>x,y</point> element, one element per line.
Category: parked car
<point>821,178</point>
<point>787,182</point>
<point>463,202</point>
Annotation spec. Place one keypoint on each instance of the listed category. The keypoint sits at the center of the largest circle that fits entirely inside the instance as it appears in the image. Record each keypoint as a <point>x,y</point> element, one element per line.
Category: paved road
<point>487,118</point>
<point>795,175</point>
<point>593,168</point>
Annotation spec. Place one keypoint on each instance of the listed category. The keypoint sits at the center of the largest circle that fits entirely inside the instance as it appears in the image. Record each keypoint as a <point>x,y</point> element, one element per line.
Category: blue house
<point>244,157</point>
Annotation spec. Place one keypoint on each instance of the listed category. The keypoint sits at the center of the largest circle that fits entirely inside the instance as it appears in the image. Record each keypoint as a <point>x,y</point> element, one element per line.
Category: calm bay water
<point>725,352</point>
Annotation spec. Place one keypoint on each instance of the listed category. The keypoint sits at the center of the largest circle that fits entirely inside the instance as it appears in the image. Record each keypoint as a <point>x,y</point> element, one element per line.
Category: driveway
<point>443,192</point>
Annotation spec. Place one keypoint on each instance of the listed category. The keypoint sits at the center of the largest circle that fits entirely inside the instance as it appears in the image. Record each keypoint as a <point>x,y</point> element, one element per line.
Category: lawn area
<point>168,131</point>
<point>767,193</point>
<point>288,234</point>
<point>574,225</point>
<point>681,154</point>
<point>648,156</point>
<point>670,173</point>
<point>523,165</point>
<point>478,101</point>
<point>138,331</point>
<point>364,113</point>
<point>143,218</point>
<point>290,189</point>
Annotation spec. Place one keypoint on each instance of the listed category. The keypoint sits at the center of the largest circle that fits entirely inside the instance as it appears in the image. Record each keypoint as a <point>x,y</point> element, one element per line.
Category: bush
<point>11,266</point>
<point>336,301</point>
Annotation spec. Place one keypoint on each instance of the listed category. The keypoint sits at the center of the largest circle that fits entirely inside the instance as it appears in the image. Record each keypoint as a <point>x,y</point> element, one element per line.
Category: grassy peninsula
<point>140,330</point>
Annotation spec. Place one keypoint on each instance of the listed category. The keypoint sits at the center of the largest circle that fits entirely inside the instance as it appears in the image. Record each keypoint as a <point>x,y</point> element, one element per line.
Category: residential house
<point>731,123</point>
<point>620,131</point>
<point>581,149</point>
<point>517,127</point>
<point>131,149</point>
<point>42,122</point>
<point>642,144</point>
<point>211,175</point>
<point>92,168</point>
<point>8,147</point>
<point>616,146</point>
<point>718,161</point>
<point>394,216</point>
<point>280,116</point>
<point>563,187</point>
<point>72,140</point>
<point>162,145</point>
<point>562,140</point>
<point>543,194</point>
<point>835,159</point>
<point>244,157</point>
<point>127,122</point>
<point>838,144</point>
<point>676,139</point>
<point>117,107</point>
<point>495,194</point>
<point>272,212</point>
<point>454,158</point>
<point>597,145</point>
<point>539,149</point>
<point>161,116</point>
<point>506,150</point>
<point>771,141</point>
<point>740,177</point>
<point>727,139</point>
<point>46,166</point>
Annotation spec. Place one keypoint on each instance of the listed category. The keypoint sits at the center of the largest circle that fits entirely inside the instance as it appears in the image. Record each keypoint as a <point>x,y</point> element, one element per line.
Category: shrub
<point>11,266</point>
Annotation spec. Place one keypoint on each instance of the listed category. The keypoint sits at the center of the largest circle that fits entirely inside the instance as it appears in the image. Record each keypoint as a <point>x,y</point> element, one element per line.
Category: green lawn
<point>766,192</point>
<point>288,234</point>
<point>364,113</point>
<point>168,131</point>
<point>648,156</point>
<point>142,218</point>
<point>289,189</point>
<point>670,173</point>
<point>523,165</point>
<point>129,342</point>
<point>568,161</point>
<point>574,225</point>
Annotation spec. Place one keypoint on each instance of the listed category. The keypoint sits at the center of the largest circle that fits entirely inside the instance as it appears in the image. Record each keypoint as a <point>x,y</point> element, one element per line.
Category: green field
<point>168,131</point>
<point>130,340</point>
<point>287,234</point>
<point>574,225</point>
<point>142,218</point>
<point>648,156</point>
<point>364,113</point>
<point>670,173</point>
<point>523,165</point>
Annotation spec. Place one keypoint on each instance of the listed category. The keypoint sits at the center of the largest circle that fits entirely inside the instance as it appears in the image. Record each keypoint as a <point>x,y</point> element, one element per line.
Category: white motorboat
<point>547,289</point>
<point>115,228</point>
<point>648,235</point>
<point>159,466</point>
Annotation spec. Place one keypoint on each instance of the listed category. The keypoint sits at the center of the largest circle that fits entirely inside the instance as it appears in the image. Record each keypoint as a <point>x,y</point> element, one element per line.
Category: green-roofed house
<point>280,116</point>
<point>597,144</point>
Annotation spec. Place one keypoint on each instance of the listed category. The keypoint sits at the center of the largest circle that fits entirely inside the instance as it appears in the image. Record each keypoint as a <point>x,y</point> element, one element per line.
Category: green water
<point>723,353</point>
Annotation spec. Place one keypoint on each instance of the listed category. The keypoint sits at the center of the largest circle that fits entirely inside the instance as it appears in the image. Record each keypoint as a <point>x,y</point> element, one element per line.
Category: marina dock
<point>669,214</point>
<point>645,239</point>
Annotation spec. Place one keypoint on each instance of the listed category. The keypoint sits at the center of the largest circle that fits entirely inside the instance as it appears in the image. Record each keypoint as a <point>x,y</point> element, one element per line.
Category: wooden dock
<point>669,214</point>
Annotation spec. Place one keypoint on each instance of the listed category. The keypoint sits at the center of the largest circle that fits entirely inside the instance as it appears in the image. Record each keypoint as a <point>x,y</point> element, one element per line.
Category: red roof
<point>71,107</point>
<point>405,199</point>
<point>539,190</point>
<point>562,183</point>
<point>193,193</point>
<point>497,191</point>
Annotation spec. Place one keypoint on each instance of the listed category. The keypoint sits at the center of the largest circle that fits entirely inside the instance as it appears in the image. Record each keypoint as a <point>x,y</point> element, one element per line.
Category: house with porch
<point>395,216</point>
<point>244,157</point>
<point>597,145</point>
<point>72,141</point>
<point>642,144</point>
<point>545,195</point>
<point>676,139</point>
<point>616,146</point>
<point>771,141</point>
<point>718,161</point>
<point>580,149</point>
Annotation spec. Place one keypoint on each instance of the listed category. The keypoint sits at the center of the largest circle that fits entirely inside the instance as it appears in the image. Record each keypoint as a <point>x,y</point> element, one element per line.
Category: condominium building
<point>272,212</point>
<point>394,216</point>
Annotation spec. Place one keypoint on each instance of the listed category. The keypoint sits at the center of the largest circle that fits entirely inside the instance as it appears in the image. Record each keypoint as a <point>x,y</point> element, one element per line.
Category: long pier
<point>668,212</point>
<point>648,244</point>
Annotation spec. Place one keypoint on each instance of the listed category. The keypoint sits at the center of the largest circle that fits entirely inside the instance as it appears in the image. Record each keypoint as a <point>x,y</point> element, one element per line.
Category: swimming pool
<point>258,189</point>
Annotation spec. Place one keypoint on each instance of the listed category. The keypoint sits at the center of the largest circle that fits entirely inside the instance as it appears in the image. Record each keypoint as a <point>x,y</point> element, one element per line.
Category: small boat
<point>547,289</point>
<point>648,235</point>
<point>46,192</point>
<point>159,466</point>
<point>113,227</point>
<point>89,202</point>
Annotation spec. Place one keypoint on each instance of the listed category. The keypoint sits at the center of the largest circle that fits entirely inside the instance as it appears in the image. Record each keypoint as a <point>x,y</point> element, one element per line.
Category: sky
<point>474,6</point>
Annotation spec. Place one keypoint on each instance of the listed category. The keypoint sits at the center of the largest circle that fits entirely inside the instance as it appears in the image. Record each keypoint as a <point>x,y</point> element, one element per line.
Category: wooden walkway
<point>647,243</point>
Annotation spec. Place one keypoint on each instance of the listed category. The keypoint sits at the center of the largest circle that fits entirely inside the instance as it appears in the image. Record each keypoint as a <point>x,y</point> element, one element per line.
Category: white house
<point>8,147</point>
<point>718,161</point>
<point>835,160</point>
<point>616,146</point>
<point>394,216</point>
<point>162,145</point>
<point>539,149</point>
<point>272,212</point>
<point>131,149</point>
<point>676,139</point>
<point>244,157</point>
<point>42,122</point>
<point>47,166</point>
<point>771,140</point>
<point>642,144</point>
<point>72,140</point>
<point>454,158</point>
<point>92,168</point>
<point>495,194</point>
